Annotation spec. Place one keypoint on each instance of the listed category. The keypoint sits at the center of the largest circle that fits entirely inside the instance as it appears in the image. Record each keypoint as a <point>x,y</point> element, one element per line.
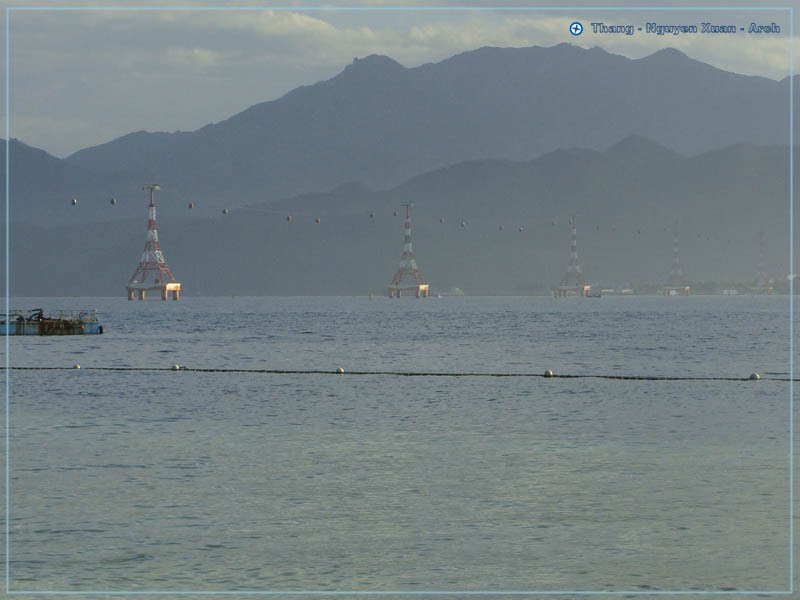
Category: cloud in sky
<point>193,58</point>
<point>122,71</point>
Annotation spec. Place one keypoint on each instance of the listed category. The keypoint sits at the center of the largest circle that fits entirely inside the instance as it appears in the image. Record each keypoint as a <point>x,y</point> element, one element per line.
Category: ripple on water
<point>293,482</point>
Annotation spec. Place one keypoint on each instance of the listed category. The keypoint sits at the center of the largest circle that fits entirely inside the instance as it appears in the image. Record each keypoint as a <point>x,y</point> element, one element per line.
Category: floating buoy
<point>463,223</point>
<point>395,213</point>
<point>74,201</point>
<point>191,205</point>
<point>288,218</point>
<point>754,376</point>
<point>521,228</point>
<point>340,371</point>
<point>176,367</point>
<point>548,373</point>
<point>372,215</point>
<point>113,201</point>
<point>224,211</point>
<point>441,220</point>
<point>317,221</point>
<point>76,366</point>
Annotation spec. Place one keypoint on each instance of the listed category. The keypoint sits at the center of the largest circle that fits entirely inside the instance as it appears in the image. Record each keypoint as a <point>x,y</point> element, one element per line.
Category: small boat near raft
<point>35,322</point>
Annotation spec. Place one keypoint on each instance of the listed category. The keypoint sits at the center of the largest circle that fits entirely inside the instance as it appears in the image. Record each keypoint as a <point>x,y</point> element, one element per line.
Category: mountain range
<point>496,148</point>
<point>486,226</point>
<point>380,123</point>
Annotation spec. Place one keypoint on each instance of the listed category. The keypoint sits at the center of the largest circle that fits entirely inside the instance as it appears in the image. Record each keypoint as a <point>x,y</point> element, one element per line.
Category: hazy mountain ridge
<point>627,198</point>
<point>381,123</point>
<point>41,186</point>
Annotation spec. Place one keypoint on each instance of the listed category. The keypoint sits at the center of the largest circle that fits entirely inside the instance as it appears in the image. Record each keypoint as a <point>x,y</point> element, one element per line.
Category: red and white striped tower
<point>574,273</point>
<point>407,278</point>
<point>573,281</point>
<point>676,282</point>
<point>152,272</point>
<point>676,272</point>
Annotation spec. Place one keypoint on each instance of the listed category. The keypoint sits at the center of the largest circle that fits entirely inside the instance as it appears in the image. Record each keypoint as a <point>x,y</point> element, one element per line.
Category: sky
<point>80,76</point>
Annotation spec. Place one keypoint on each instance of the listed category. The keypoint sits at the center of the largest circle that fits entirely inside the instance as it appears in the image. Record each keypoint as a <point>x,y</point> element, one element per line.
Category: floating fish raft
<point>35,322</point>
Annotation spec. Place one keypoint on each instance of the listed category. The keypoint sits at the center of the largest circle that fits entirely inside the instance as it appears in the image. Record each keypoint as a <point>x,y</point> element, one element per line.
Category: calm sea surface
<point>162,480</point>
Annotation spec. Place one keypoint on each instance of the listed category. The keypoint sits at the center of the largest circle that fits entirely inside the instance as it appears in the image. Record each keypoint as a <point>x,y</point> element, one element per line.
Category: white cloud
<point>270,22</point>
<point>193,57</point>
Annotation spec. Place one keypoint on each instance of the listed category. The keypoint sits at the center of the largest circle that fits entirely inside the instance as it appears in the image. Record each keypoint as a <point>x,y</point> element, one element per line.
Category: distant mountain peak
<point>564,47</point>
<point>18,148</point>
<point>667,56</point>
<point>636,145</point>
<point>669,51</point>
<point>374,62</point>
<point>560,47</point>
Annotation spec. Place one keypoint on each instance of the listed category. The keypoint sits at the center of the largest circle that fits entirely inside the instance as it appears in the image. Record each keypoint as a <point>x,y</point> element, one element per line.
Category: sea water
<point>148,480</point>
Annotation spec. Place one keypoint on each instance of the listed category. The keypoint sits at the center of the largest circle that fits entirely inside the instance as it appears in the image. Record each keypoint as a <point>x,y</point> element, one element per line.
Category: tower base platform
<point>563,291</point>
<point>138,291</point>
<point>676,290</point>
<point>420,291</point>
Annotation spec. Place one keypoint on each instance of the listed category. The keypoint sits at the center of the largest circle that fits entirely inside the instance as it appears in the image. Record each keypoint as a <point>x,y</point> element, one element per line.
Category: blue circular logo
<point>576,28</point>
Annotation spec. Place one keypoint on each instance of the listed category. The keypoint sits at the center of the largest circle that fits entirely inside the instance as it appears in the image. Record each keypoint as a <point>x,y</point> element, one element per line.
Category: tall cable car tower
<point>153,272</point>
<point>408,279</point>
<point>573,282</point>
<point>763,284</point>
<point>676,282</point>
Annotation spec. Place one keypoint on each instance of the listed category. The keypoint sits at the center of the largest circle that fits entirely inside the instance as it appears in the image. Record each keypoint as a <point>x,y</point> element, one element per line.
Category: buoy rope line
<point>546,375</point>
